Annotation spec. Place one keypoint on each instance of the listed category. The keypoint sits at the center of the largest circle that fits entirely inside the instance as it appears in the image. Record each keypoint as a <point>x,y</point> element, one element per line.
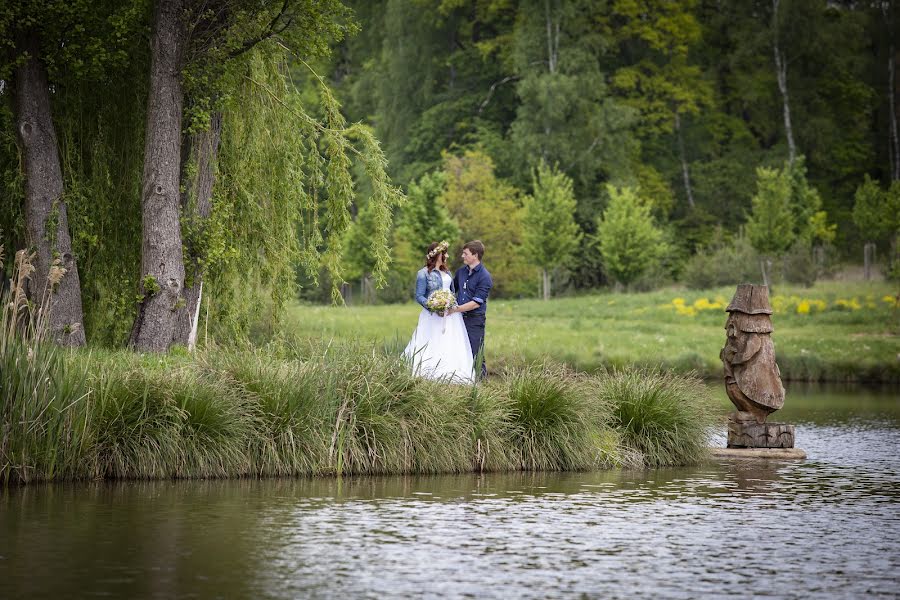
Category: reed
<point>555,419</point>
<point>664,418</point>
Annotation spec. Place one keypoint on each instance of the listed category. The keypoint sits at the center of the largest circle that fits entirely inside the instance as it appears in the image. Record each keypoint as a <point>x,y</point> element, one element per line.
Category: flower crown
<point>440,249</point>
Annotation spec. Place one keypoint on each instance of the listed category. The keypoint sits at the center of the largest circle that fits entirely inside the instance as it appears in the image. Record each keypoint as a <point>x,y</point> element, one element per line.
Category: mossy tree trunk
<point>47,223</point>
<point>199,154</point>
<point>162,263</point>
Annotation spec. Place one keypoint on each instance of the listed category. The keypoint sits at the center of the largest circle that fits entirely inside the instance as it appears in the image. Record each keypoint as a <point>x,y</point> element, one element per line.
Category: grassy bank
<point>834,331</point>
<point>305,410</point>
<point>302,408</point>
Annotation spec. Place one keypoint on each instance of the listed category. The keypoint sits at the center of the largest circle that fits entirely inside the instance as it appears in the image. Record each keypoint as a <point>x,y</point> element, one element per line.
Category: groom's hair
<point>475,247</point>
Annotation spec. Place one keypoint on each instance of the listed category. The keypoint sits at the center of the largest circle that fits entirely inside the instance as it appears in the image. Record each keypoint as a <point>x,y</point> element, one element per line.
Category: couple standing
<point>447,345</point>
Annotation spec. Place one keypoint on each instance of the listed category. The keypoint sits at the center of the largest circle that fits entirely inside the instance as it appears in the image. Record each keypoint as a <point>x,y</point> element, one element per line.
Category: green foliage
<point>722,263</point>
<point>150,285</point>
<point>565,114</point>
<point>284,198</point>
<point>799,265</point>
<point>423,219</point>
<point>550,234</point>
<point>628,239</point>
<point>770,227</point>
<point>660,416</point>
<point>659,82</point>
<point>490,210</point>
<point>875,212</point>
<point>810,222</point>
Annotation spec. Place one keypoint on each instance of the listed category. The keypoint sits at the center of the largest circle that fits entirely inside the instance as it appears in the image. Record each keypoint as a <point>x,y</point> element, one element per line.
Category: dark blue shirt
<point>473,285</point>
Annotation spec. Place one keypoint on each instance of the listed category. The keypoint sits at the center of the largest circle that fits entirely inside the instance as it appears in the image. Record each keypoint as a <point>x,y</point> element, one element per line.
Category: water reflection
<point>828,526</point>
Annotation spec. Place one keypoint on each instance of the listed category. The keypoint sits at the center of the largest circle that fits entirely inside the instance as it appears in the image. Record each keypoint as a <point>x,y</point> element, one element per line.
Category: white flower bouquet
<point>441,301</point>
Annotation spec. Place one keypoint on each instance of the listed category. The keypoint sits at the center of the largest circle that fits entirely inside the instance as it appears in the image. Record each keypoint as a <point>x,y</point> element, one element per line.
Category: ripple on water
<point>827,526</point>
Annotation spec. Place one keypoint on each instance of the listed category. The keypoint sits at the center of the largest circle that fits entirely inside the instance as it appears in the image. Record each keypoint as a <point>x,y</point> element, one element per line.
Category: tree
<point>627,236</point>
<point>770,226</point>
<point>195,42</point>
<point>422,219</point>
<point>162,265</point>
<point>660,81</point>
<point>488,209</point>
<point>550,233</point>
<point>876,212</point>
<point>565,114</point>
<point>45,207</point>
<point>41,42</point>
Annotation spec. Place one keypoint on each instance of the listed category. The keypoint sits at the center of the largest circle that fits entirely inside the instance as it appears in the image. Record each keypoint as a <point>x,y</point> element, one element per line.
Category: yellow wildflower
<point>803,307</point>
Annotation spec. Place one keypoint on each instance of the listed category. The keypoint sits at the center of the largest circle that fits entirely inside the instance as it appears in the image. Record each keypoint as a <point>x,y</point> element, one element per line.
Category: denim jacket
<point>426,284</point>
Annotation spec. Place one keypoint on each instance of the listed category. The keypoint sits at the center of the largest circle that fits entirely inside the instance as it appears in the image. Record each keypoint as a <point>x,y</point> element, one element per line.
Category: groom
<point>473,283</point>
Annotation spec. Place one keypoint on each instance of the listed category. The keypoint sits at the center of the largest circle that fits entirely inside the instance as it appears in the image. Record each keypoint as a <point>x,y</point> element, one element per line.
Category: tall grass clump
<point>666,419</point>
<point>38,426</point>
<point>385,420</point>
<point>135,425</point>
<point>286,398</point>
<point>554,422</point>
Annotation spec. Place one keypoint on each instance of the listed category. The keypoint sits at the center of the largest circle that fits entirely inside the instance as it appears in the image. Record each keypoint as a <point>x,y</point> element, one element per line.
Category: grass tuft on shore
<point>665,418</point>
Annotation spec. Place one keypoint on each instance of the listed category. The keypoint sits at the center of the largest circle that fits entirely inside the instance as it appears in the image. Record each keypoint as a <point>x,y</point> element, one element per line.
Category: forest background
<point>587,143</point>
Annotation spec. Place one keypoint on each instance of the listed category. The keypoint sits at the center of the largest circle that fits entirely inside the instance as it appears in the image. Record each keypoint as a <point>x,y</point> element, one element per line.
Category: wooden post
<point>868,259</point>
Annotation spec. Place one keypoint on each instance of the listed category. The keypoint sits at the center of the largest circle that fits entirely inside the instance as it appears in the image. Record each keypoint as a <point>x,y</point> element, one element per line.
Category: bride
<point>439,348</point>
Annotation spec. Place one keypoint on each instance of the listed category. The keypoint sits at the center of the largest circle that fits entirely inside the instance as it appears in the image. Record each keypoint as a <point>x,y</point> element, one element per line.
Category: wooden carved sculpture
<point>752,378</point>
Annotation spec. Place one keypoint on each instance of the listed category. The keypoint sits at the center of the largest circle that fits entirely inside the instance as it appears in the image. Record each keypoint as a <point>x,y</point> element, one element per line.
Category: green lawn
<point>832,331</point>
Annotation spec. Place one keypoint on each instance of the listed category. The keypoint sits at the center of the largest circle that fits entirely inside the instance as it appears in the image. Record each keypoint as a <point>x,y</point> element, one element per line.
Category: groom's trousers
<point>475,329</point>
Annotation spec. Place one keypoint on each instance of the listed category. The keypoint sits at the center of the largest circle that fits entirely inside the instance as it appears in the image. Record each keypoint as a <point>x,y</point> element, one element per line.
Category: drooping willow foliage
<point>284,195</point>
<point>282,198</point>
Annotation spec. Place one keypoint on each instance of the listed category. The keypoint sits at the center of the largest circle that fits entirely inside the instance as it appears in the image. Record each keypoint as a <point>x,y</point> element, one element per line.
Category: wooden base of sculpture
<point>745,432</point>
<point>759,453</point>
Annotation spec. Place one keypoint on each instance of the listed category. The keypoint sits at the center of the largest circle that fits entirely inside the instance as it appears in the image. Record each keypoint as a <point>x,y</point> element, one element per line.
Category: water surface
<point>825,527</point>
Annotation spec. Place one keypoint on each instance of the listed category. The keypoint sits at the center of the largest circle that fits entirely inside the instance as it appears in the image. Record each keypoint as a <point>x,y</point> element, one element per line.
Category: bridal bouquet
<point>441,301</point>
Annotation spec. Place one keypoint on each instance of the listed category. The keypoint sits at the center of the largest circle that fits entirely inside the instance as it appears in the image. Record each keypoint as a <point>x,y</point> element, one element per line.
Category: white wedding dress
<point>439,348</point>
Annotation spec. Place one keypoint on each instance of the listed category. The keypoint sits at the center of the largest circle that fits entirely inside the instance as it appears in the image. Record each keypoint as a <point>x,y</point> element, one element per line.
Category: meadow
<point>833,331</point>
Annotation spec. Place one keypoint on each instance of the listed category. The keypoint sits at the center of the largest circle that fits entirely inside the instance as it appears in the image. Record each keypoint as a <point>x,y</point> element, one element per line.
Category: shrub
<point>723,264</point>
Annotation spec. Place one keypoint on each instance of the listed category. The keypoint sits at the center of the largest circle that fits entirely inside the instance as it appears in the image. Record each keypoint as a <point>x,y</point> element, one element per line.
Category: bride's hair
<point>431,256</point>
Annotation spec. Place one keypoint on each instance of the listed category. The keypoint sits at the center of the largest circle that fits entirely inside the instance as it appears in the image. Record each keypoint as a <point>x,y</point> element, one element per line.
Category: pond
<point>826,526</point>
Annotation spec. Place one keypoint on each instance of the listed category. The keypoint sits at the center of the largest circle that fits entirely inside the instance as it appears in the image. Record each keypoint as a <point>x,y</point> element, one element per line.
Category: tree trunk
<point>893,136</point>
<point>162,264</point>
<point>546,278</point>
<point>894,149</point>
<point>552,39</point>
<point>196,205</point>
<point>781,74</point>
<point>47,223</point>
<point>685,172</point>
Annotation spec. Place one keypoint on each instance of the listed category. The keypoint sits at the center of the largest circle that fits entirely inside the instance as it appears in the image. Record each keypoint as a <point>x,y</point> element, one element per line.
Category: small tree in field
<point>550,233</point>
<point>875,213</point>
<point>770,226</point>
<point>627,236</point>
